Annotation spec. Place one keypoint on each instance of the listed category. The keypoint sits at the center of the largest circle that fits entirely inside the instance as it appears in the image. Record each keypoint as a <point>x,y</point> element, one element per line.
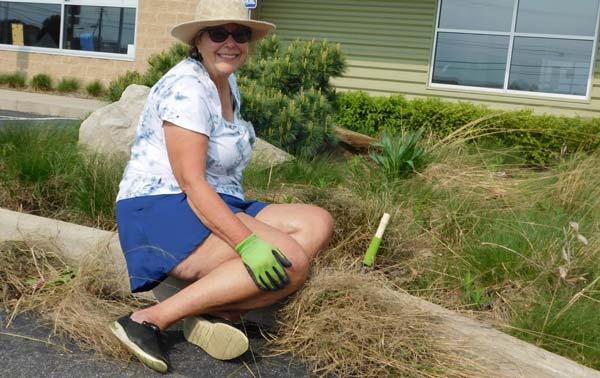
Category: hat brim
<point>186,31</point>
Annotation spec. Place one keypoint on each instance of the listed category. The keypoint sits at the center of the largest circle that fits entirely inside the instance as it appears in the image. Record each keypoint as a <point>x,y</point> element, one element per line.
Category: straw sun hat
<point>219,12</point>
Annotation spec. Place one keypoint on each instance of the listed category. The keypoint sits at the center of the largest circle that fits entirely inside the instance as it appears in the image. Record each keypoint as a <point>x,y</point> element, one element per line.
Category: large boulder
<point>111,129</point>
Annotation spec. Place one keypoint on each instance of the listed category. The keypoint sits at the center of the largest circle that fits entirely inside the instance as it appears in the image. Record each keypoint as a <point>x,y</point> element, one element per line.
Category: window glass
<point>550,65</point>
<point>572,17</point>
<point>490,15</point>
<point>29,24</point>
<point>470,59</point>
<point>104,29</point>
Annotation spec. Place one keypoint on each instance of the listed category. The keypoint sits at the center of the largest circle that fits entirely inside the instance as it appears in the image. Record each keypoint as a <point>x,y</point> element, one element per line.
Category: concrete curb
<point>75,242</point>
<point>509,356</point>
<point>47,104</point>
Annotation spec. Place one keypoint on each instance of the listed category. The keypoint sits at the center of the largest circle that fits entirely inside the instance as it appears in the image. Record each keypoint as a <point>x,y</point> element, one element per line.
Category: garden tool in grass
<point>376,241</point>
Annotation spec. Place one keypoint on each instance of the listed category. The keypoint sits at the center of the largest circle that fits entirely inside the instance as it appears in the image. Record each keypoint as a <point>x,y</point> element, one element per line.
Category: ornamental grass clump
<point>76,301</point>
<point>42,82</point>
<point>13,80</point>
<point>95,88</point>
<point>67,85</point>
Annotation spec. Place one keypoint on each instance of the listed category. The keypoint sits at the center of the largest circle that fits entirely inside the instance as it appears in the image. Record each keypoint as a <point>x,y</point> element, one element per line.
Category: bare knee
<point>317,227</point>
<point>300,265</point>
<point>325,223</point>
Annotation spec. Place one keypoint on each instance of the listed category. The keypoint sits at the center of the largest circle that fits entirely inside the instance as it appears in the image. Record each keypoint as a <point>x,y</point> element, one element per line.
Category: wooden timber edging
<point>354,140</point>
<point>509,356</point>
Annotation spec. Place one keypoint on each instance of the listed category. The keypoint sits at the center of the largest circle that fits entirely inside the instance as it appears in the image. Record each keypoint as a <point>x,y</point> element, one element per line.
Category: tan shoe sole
<point>219,340</point>
<point>147,359</point>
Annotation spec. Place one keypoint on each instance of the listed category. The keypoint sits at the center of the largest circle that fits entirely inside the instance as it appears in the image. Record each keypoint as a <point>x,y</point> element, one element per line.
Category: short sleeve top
<point>188,98</point>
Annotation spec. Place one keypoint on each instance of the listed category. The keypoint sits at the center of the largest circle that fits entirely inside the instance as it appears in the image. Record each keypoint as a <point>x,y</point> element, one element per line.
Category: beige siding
<point>388,43</point>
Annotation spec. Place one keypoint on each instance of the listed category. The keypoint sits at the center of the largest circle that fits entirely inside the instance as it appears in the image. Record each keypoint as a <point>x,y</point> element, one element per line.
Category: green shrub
<point>541,138</point>
<point>302,65</point>
<point>95,88</point>
<point>67,84</point>
<point>373,115</point>
<point>400,154</point>
<point>159,65</point>
<point>42,82</point>
<point>118,86</point>
<point>163,62</point>
<point>287,95</point>
<point>289,122</point>
<point>13,80</point>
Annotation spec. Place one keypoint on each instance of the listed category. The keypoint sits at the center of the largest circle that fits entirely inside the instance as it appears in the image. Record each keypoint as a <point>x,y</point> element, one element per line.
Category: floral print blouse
<point>188,98</point>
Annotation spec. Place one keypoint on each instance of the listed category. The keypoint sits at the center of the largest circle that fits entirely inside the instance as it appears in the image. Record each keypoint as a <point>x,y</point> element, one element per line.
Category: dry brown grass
<point>353,324</point>
<point>77,302</point>
<point>577,186</point>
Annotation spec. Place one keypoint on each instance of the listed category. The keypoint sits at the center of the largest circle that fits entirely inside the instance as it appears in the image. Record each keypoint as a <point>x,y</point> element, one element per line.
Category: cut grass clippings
<point>352,324</point>
<point>76,301</point>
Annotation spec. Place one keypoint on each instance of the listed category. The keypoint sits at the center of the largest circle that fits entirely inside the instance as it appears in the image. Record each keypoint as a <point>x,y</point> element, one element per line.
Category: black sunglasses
<point>220,34</point>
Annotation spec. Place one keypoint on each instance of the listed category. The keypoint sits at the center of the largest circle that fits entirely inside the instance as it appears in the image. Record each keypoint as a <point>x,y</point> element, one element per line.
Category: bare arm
<point>187,154</point>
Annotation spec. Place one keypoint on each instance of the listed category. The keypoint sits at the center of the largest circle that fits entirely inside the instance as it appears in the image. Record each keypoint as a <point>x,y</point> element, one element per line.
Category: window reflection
<point>550,65</point>
<point>471,60</point>
<point>105,29</point>
<point>492,15</point>
<point>573,17</point>
<point>30,24</point>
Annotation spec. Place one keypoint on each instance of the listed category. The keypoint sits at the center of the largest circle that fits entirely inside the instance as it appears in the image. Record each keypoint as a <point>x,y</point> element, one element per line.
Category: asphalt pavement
<point>13,117</point>
<point>28,349</point>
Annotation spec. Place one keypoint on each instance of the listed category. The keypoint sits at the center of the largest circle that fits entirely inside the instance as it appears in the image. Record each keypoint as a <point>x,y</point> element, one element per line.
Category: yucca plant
<point>399,155</point>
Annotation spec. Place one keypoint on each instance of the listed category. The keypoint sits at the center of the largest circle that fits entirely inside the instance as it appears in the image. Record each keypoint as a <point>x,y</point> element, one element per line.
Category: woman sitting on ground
<point>181,210</point>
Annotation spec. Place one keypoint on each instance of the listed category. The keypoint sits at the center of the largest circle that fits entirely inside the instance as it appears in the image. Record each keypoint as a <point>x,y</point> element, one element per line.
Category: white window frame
<point>130,56</point>
<point>512,34</point>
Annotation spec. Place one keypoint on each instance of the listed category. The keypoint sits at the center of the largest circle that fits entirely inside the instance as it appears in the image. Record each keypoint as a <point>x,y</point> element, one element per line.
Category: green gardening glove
<point>264,263</point>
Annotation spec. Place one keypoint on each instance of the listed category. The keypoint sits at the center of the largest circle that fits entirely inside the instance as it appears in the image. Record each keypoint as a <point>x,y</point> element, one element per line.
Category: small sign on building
<point>250,4</point>
<point>17,34</point>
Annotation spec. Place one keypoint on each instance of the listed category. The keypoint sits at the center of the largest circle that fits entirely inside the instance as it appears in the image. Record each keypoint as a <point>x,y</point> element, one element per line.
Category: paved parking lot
<point>12,117</point>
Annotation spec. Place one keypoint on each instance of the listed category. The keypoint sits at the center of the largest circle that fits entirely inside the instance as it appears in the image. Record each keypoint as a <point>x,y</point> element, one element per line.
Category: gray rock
<point>111,129</point>
<point>266,155</point>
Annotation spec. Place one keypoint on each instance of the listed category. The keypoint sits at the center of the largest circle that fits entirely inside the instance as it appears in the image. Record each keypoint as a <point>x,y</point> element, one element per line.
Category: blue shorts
<point>158,232</point>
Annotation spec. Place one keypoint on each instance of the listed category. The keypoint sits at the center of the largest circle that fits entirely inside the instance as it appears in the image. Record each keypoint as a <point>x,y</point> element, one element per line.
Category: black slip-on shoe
<point>217,337</point>
<point>142,341</point>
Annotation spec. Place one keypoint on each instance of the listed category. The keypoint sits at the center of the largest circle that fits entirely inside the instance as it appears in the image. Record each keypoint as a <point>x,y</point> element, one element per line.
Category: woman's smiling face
<point>222,58</point>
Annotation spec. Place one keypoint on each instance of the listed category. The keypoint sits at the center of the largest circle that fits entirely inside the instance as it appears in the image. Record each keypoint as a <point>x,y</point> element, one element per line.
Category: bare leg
<point>221,282</point>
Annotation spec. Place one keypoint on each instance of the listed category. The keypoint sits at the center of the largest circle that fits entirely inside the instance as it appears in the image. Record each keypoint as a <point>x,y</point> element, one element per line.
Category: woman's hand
<point>264,262</point>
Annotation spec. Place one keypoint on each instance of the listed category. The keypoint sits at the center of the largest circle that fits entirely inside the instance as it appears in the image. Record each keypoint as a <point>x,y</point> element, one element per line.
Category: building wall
<point>155,20</point>
<point>389,45</point>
